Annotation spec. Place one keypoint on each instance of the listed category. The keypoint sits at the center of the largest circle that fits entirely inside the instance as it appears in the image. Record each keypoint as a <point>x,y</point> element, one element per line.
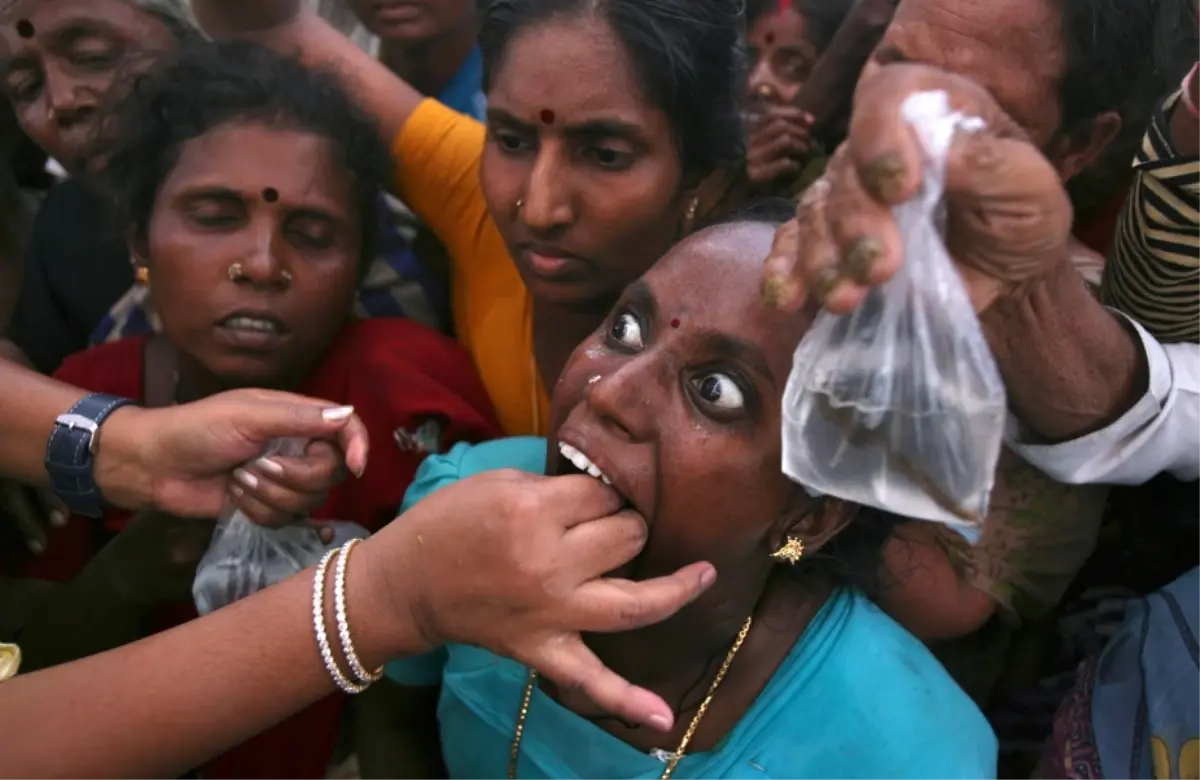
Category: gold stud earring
<point>520,203</point>
<point>142,275</point>
<point>235,272</point>
<point>791,551</point>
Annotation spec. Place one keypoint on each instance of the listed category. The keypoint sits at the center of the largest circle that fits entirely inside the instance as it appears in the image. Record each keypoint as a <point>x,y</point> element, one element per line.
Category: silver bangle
<point>360,674</point>
<point>318,613</point>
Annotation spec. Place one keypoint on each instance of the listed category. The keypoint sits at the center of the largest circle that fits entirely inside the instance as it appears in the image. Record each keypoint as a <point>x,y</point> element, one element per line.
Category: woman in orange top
<point>604,132</point>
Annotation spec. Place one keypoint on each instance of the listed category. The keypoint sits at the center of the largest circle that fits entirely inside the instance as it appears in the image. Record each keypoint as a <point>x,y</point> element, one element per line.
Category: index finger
<point>575,499</point>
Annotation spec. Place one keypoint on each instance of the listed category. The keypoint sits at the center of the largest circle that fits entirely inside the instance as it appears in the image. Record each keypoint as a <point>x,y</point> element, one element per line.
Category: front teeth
<point>582,462</point>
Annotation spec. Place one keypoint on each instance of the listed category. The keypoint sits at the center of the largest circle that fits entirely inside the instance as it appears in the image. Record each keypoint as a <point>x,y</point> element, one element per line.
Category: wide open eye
<point>627,331</point>
<point>720,391</point>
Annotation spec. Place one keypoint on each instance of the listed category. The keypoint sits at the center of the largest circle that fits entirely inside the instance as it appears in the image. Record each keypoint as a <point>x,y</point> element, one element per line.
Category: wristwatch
<point>71,451</point>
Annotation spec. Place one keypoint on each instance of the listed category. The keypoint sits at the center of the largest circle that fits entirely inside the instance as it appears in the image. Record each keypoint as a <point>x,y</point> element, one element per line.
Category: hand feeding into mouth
<point>582,462</point>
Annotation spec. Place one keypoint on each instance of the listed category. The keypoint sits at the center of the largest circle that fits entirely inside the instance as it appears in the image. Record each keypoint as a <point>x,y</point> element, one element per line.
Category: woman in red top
<point>249,186</point>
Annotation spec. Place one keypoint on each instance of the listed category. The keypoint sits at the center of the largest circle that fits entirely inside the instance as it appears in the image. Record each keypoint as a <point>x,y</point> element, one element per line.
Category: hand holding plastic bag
<point>899,405</point>
<point>244,557</point>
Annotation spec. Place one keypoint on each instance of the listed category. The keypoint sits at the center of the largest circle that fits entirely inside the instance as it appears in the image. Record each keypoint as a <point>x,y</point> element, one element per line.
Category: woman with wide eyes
<point>249,186</point>
<point>606,123</point>
<point>784,668</point>
<point>785,40</point>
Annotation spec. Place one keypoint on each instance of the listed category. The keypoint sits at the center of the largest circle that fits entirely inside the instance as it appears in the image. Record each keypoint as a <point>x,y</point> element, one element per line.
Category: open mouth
<point>575,462</point>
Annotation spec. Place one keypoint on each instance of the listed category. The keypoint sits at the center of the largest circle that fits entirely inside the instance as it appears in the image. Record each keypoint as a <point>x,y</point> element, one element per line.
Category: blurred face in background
<point>63,60</point>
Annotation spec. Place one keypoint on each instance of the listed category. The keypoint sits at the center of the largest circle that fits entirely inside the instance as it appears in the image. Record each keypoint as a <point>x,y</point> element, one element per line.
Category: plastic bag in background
<point>899,405</point>
<point>244,558</point>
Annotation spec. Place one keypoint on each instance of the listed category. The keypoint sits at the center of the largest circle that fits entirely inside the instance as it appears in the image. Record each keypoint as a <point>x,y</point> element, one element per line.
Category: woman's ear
<point>814,522</point>
<point>139,249</point>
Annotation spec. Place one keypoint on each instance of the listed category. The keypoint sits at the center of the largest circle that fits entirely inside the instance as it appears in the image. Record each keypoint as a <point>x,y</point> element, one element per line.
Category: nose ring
<point>520,203</point>
<point>51,114</point>
<point>594,380</point>
<point>235,273</point>
<point>286,275</point>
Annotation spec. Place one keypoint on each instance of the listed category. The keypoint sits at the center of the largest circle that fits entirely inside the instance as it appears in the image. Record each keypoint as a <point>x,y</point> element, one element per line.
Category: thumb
<point>299,417</point>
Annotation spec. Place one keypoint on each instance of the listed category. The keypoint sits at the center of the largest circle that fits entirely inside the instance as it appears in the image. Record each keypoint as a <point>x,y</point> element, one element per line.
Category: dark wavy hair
<point>689,56</point>
<point>206,85</point>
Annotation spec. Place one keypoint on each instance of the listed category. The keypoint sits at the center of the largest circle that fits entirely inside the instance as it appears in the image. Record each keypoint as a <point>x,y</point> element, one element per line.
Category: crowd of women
<point>552,259</point>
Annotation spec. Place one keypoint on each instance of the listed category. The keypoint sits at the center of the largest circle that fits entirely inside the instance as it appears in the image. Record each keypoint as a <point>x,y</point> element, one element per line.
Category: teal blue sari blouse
<point>857,696</point>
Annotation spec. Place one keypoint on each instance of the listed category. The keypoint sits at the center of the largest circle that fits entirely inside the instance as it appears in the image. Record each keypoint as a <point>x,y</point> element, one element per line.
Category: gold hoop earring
<point>791,551</point>
<point>142,275</point>
<point>235,273</point>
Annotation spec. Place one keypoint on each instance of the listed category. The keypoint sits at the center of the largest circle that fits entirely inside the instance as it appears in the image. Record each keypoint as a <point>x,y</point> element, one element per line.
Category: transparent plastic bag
<point>243,558</point>
<point>899,405</point>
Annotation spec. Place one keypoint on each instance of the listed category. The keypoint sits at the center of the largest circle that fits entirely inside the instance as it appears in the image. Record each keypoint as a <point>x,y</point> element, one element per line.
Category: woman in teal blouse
<point>784,668</point>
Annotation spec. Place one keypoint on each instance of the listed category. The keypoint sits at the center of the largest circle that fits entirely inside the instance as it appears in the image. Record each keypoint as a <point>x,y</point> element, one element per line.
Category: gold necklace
<point>675,757</point>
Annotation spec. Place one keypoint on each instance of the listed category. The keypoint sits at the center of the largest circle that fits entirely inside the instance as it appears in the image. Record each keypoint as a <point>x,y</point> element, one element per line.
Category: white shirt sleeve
<point>1161,432</point>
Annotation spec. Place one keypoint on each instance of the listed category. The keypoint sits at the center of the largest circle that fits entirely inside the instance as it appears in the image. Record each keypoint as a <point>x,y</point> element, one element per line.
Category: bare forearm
<point>162,705</point>
<point>31,402</point>
<point>1185,126</point>
<point>1070,366</point>
<point>827,91</point>
<point>379,92</point>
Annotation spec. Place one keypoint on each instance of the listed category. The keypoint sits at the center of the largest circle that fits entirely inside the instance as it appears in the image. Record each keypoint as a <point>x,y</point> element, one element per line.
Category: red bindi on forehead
<point>547,116</point>
<point>675,322</point>
<point>270,194</point>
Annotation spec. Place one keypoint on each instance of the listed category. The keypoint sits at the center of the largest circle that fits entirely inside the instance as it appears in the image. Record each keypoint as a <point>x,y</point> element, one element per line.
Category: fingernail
<point>338,413</point>
<point>660,722</point>
<point>246,478</point>
<point>824,281</point>
<point>36,547</point>
<point>708,576</point>
<point>862,258</point>
<point>778,290</point>
<point>236,492</point>
<point>57,518</point>
<point>270,465</point>
<point>885,176</point>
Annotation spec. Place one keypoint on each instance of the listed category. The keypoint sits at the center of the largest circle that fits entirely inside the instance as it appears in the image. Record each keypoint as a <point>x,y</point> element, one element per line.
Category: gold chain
<point>531,684</point>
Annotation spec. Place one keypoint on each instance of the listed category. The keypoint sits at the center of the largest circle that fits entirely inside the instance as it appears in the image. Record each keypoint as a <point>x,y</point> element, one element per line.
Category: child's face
<point>253,251</point>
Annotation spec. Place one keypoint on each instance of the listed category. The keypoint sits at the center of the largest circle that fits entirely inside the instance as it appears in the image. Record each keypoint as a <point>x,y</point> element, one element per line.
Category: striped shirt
<point>1153,268</point>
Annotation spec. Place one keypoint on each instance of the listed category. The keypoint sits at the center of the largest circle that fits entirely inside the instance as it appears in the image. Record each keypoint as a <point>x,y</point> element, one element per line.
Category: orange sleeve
<point>436,155</point>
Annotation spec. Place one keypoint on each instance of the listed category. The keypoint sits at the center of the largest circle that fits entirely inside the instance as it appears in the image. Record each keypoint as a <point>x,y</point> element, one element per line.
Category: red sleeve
<point>114,368</point>
<point>418,393</point>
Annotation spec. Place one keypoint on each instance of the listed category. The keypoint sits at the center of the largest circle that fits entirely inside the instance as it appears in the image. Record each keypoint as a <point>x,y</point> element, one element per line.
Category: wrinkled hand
<point>778,144</point>
<point>274,490</point>
<point>1008,217</point>
<point>515,563</point>
<point>231,18</point>
<point>180,459</point>
<point>29,512</point>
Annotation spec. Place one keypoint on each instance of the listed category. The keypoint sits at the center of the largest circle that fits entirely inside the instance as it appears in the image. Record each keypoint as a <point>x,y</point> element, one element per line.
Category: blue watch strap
<point>70,453</point>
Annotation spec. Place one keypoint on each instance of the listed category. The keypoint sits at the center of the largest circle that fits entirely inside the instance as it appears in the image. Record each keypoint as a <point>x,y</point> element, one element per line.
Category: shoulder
<point>433,123</point>
<point>114,368</point>
<point>910,716</point>
<point>524,453</point>
<point>407,369</point>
